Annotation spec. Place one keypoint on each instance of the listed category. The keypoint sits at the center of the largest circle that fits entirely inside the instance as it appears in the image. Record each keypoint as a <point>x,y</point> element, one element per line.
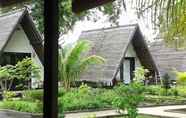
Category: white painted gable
<point>19,43</point>
<point>130,52</point>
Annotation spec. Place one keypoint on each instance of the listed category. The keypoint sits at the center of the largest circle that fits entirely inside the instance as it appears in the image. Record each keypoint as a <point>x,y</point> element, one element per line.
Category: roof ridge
<point>108,28</point>
<point>12,12</point>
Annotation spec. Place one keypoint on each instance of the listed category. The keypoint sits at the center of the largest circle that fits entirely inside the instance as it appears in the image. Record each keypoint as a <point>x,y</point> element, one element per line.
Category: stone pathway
<point>13,114</point>
<point>162,111</point>
<point>154,111</point>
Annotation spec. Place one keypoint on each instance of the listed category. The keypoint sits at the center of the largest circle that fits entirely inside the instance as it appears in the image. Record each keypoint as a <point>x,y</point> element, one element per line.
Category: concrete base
<point>15,114</point>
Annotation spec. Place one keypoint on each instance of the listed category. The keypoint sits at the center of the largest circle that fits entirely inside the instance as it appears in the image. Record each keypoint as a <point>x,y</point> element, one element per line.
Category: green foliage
<point>61,92</point>
<point>169,16</point>
<point>158,90</point>
<point>163,100</point>
<point>153,90</point>
<point>24,70</point>
<point>27,69</point>
<point>84,89</point>
<point>72,62</point>
<point>33,95</point>
<point>174,91</point>
<point>181,90</point>
<point>8,95</point>
<point>7,74</point>
<point>181,78</point>
<point>128,98</point>
<point>60,107</point>
<point>106,96</point>
<point>174,31</point>
<point>80,99</point>
<point>67,18</point>
<point>24,106</point>
<point>139,74</point>
<point>85,97</point>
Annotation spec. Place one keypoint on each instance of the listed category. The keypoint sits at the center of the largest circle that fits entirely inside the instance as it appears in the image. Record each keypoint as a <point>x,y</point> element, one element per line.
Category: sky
<point>127,17</point>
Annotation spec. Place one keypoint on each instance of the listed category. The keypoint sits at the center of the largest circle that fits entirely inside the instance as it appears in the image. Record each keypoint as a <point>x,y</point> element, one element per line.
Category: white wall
<point>131,53</point>
<point>20,43</point>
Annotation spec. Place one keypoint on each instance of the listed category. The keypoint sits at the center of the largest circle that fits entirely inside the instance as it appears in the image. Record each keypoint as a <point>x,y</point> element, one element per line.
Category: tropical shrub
<point>174,92</point>
<point>72,62</point>
<point>128,98</point>
<point>106,96</point>
<point>27,70</point>
<point>33,95</point>
<point>181,91</point>
<point>24,106</point>
<point>85,97</point>
<point>181,78</point>
<point>159,91</point>
<point>139,74</point>
<point>61,92</point>
<point>23,71</point>
<point>8,95</point>
<point>7,76</point>
<point>153,90</point>
<point>79,99</point>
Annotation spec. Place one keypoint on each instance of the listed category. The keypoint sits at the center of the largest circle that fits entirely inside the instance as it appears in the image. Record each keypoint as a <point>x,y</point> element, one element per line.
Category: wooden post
<point>51,59</point>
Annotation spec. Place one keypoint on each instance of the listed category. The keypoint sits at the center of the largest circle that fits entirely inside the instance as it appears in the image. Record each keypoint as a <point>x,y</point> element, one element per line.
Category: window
<point>13,57</point>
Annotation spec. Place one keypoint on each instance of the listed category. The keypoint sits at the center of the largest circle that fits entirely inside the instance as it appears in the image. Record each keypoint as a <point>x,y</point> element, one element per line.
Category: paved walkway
<point>155,111</point>
<point>162,111</point>
<point>13,114</point>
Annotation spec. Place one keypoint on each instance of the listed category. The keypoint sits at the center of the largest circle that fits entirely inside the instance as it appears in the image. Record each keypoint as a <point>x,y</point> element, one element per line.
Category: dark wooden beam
<point>4,3</point>
<point>51,58</point>
<point>83,5</point>
<point>121,72</point>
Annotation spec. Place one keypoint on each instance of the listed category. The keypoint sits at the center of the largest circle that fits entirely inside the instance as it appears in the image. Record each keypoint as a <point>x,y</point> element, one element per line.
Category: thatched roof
<point>167,58</point>
<point>111,44</point>
<point>9,22</point>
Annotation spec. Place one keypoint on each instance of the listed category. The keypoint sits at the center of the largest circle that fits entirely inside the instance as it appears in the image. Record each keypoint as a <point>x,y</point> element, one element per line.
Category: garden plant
<point>72,62</point>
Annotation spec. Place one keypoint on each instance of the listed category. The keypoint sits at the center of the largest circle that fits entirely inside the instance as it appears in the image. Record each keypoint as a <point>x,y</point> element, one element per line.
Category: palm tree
<point>167,15</point>
<point>72,62</point>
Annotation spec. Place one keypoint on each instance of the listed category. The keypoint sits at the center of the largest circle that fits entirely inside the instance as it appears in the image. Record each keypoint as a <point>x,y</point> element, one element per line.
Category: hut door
<point>129,67</point>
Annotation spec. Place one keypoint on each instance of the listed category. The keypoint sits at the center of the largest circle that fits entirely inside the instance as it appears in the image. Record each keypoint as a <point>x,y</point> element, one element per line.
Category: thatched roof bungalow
<point>19,39</point>
<point>123,48</point>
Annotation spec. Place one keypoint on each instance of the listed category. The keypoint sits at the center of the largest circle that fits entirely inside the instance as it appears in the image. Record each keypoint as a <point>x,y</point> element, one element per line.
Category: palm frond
<point>77,51</point>
<point>72,62</point>
<point>91,60</point>
<point>168,16</point>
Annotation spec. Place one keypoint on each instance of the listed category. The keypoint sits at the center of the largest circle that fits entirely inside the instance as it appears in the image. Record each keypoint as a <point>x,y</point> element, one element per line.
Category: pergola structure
<point>51,34</point>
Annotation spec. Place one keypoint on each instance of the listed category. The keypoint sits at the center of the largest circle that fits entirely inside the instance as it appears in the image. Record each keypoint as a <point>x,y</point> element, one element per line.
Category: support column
<point>51,59</point>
